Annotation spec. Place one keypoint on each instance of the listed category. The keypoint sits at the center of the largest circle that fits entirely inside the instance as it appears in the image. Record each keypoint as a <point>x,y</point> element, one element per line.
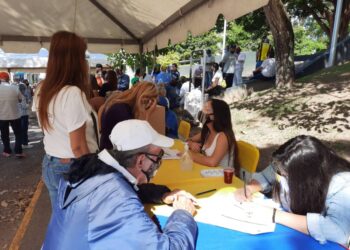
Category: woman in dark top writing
<point>136,103</point>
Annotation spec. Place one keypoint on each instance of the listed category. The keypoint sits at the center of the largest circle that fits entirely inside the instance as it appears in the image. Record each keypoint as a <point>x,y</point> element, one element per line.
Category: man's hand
<point>182,202</point>
<point>169,198</point>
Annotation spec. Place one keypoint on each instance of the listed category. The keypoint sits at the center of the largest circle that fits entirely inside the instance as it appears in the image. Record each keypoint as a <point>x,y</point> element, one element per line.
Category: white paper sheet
<point>171,154</point>
<point>222,210</point>
<point>212,172</point>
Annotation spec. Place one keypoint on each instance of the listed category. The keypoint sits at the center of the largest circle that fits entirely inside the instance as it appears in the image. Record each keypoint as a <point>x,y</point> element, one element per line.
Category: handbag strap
<point>95,129</point>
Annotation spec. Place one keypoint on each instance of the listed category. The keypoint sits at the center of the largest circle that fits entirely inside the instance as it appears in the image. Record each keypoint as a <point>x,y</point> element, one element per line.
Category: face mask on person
<point>152,170</point>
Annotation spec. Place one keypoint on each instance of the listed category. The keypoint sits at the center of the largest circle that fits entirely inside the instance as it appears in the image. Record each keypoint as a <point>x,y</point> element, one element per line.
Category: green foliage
<point>169,58</point>
<point>134,60</point>
<point>208,40</point>
<point>236,34</point>
<point>305,44</point>
<point>255,24</point>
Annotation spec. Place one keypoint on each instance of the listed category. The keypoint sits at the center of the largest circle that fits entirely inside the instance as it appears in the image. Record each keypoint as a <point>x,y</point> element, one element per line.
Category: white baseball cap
<point>133,134</point>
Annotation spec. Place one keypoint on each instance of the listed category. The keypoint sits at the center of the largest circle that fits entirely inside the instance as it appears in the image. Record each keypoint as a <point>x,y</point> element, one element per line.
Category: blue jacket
<point>104,212</point>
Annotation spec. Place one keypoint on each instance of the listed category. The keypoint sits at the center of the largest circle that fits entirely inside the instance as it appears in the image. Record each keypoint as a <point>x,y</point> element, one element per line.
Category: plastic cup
<point>228,175</point>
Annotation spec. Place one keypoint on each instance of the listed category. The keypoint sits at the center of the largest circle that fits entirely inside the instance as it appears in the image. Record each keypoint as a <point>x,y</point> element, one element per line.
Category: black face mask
<point>208,119</point>
<point>147,175</point>
<point>151,172</point>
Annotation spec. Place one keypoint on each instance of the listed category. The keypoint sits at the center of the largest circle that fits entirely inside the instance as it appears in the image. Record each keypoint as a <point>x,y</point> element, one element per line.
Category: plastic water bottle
<point>186,160</point>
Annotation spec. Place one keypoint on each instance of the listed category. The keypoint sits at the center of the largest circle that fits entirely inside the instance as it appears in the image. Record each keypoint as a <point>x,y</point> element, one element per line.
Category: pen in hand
<point>205,192</point>
<point>245,185</point>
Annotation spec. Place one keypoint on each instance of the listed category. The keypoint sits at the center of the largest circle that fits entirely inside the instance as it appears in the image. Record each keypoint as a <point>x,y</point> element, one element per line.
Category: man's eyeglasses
<point>159,157</point>
<point>156,163</point>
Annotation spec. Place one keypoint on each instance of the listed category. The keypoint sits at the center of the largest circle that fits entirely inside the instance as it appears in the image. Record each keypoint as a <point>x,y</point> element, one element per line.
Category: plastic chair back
<point>184,130</point>
<point>248,156</point>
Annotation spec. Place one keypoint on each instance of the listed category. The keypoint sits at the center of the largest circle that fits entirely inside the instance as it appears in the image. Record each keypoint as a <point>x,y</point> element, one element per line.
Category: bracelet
<point>274,215</point>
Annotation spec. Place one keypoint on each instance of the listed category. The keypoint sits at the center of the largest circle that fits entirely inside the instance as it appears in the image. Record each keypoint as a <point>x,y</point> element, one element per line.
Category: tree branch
<point>318,19</point>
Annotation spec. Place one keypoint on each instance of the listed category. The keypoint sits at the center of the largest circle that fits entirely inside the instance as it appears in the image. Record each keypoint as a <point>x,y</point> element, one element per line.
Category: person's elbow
<point>212,162</point>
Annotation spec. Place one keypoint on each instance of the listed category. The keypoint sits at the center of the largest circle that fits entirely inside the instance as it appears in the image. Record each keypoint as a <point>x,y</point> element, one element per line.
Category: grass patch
<point>340,72</point>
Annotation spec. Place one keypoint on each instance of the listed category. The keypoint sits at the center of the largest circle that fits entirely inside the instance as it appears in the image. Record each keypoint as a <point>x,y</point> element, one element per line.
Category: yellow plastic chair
<point>248,156</point>
<point>184,130</point>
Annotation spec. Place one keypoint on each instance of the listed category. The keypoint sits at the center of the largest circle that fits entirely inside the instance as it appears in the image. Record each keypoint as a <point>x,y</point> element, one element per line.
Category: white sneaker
<point>27,146</point>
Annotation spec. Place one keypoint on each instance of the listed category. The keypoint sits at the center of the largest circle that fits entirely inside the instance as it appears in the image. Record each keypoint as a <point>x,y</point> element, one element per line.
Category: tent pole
<point>224,39</point>
<point>203,74</point>
<point>333,48</point>
<point>141,57</point>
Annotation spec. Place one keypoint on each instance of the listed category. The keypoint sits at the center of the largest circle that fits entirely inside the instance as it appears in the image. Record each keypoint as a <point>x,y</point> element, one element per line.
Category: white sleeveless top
<point>209,152</point>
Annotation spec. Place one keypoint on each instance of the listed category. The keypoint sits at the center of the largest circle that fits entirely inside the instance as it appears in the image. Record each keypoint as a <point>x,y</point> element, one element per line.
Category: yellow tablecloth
<point>171,175</point>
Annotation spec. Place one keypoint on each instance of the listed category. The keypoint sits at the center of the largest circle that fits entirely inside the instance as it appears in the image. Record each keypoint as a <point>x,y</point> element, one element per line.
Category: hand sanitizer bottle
<point>186,160</point>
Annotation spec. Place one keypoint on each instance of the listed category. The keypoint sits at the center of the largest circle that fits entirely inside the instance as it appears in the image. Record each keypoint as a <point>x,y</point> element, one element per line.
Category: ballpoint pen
<point>205,192</point>
<point>245,185</point>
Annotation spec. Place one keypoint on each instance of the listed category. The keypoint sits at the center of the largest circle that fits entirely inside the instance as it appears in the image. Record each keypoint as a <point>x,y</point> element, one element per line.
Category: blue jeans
<point>208,78</point>
<point>24,123</point>
<point>237,79</point>
<point>5,135</point>
<point>53,170</point>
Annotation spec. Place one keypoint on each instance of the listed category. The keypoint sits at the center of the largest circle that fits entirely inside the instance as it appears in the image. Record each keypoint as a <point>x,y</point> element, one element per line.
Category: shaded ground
<point>18,179</point>
<point>319,105</point>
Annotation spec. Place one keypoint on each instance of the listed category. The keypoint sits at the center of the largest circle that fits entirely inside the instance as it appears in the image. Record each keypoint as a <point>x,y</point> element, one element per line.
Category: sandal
<point>20,155</point>
<point>6,155</point>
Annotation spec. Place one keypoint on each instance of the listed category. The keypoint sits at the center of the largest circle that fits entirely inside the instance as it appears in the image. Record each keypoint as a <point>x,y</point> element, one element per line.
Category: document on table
<point>171,154</point>
<point>222,210</point>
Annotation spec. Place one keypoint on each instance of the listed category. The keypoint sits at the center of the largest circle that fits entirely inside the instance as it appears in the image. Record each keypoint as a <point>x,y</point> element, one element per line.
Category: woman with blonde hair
<point>63,110</point>
<point>136,103</point>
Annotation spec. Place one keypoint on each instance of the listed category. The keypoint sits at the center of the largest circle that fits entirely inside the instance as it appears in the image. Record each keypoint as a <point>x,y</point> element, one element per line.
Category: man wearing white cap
<point>98,207</point>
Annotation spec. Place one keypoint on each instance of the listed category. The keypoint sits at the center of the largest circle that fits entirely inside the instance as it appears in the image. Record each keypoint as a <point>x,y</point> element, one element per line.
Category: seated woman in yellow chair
<point>216,144</point>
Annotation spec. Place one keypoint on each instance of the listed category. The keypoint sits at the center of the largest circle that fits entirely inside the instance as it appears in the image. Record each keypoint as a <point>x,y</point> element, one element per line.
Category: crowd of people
<point>15,101</point>
<point>99,162</point>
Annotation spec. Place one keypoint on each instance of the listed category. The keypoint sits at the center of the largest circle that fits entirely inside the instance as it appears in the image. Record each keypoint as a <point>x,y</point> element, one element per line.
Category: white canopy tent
<point>135,25</point>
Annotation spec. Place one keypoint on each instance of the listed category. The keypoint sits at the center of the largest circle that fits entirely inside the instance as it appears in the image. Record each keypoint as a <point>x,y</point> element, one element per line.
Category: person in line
<point>137,78</point>
<point>312,183</point>
<point>155,72</point>
<point>210,59</point>
<point>215,87</point>
<point>123,79</point>
<point>175,75</point>
<point>10,115</point>
<point>237,79</point>
<point>171,123</point>
<point>267,70</point>
<point>265,51</point>
<point>110,85</point>
<point>215,145</point>
<point>29,93</point>
<point>94,87</point>
<point>98,205</point>
<point>229,62</point>
<point>186,86</point>
<point>163,76</point>
<point>99,74</point>
<point>63,111</point>
<point>24,110</point>
<point>136,103</point>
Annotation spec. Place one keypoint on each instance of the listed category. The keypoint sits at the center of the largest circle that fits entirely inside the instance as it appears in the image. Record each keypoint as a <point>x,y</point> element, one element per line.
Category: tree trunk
<point>283,36</point>
<point>345,19</point>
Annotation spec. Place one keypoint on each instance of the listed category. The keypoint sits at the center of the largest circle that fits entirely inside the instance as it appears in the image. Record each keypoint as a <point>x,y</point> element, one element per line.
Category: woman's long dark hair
<point>66,66</point>
<point>111,78</point>
<point>309,167</point>
<point>222,123</point>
